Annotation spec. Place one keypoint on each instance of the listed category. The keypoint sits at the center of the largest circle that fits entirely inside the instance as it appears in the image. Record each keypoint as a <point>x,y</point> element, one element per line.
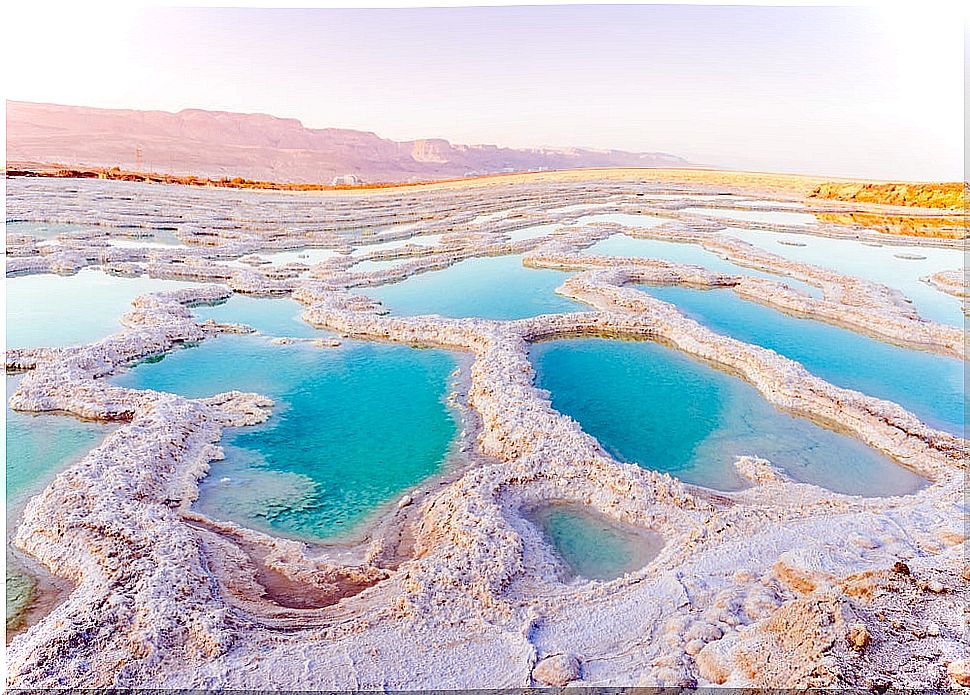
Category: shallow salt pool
<point>148,238</point>
<point>55,310</point>
<point>493,287</point>
<point>273,317</point>
<point>877,263</point>
<point>766,216</point>
<point>353,428</point>
<point>531,232</point>
<point>656,407</point>
<point>372,266</point>
<point>626,219</point>
<point>580,206</point>
<point>306,256</point>
<point>40,444</point>
<point>426,240</point>
<point>44,230</point>
<point>592,545</point>
<point>692,254</point>
<point>928,385</point>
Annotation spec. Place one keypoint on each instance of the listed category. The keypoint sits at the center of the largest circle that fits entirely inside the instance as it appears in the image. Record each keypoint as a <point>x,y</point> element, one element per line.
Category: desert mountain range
<point>263,147</point>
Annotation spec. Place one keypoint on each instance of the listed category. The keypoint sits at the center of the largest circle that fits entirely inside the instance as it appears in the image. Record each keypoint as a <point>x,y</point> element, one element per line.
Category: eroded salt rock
<point>557,670</point>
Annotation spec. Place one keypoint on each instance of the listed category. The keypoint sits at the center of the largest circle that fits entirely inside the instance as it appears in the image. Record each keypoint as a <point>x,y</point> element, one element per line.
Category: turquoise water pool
<point>592,545</point>
<point>929,385</point>
<point>353,428</point>
<point>41,444</point>
<point>55,311</point>
<point>273,317</point>
<point>38,446</point>
<point>878,263</point>
<point>691,254</point>
<point>656,407</point>
<point>496,287</point>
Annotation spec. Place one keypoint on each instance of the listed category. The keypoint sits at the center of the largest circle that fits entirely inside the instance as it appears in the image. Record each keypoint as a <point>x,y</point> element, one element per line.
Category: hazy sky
<point>841,91</point>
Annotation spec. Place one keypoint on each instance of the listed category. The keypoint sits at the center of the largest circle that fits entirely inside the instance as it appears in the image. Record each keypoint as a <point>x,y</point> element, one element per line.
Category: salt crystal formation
<point>782,584</point>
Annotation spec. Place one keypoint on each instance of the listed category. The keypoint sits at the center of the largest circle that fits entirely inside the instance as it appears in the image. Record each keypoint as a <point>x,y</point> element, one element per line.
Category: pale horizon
<point>848,92</point>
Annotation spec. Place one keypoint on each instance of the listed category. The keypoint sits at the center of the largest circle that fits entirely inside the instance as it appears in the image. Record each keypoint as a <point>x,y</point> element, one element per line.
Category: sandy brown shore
<point>782,584</point>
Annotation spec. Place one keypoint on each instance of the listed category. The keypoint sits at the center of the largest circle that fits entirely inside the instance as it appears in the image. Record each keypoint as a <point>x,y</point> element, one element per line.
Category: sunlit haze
<point>838,91</point>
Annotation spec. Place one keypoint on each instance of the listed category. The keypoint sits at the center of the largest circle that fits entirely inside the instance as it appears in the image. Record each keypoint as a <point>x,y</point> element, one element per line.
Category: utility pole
<point>137,157</point>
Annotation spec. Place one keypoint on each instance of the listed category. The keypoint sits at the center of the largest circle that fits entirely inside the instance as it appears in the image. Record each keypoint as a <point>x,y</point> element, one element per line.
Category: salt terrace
<point>781,583</point>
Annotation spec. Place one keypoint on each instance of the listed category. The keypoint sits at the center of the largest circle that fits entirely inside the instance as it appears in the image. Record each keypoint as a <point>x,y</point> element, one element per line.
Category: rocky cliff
<point>258,146</point>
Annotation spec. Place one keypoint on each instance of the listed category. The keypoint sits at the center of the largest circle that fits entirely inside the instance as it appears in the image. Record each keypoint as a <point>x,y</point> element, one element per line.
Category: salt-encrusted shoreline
<point>952,282</point>
<point>781,584</point>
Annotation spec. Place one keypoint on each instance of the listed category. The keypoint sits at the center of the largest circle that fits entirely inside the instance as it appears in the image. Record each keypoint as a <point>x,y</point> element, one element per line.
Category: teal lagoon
<point>353,427</point>
<point>690,254</point>
<point>656,407</point>
<point>494,287</point>
<point>592,545</point>
<point>56,311</point>
<point>880,264</point>
<point>39,445</point>
<point>930,386</point>
<point>273,317</point>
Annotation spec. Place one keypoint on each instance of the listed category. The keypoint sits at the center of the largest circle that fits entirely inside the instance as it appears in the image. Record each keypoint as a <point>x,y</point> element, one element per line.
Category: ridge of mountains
<point>263,147</point>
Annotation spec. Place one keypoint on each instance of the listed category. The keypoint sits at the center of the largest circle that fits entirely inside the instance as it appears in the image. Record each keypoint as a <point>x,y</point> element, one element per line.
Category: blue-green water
<point>55,311</point>
<point>497,287</point>
<point>353,427</point>
<point>274,317</point>
<point>39,445</point>
<point>878,263</point>
<point>593,546</point>
<point>931,386</point>
<point>691,254</point>
<point>654,406</point>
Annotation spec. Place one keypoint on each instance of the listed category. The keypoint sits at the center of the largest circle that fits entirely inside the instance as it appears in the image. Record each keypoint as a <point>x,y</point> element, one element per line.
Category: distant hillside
<point>257,146</point>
